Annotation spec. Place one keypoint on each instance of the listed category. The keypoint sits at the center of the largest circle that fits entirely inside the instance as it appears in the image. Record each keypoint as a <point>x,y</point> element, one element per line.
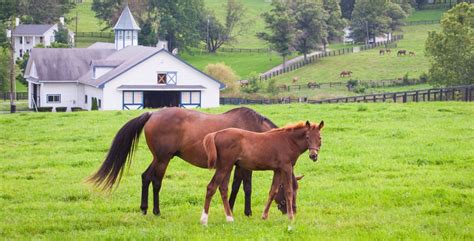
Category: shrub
<point>75,109</point>
<point>45,109</point>
<point>61,109</point>
<point>94,105</point>
<point>406,80</point>
<point>423,78</point>
<point>271,87</point>
<point>223,73</point>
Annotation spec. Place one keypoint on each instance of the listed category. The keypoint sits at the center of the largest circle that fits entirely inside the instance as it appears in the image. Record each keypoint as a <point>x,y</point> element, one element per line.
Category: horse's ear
<point>308,124</point>
<point>299,177</point>
<point>321,125</point>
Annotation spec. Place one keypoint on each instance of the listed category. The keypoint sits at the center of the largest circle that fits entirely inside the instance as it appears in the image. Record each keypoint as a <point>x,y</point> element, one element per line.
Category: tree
<point>397,15</point>
<point>214,34</point>
<point>4,71</point>
<point>61,35</point>
<point>335,23</point>
<point>369,20</point>
<point>21,64</point>
<point>310,26</point>
<point>223,73</point>
<point>347,6</point>
<point>280,25</point>
<point>451,51</point>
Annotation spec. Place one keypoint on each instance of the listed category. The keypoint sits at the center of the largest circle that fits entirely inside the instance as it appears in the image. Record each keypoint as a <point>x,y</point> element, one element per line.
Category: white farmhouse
<point>120,76</point>
<point>27,36</point>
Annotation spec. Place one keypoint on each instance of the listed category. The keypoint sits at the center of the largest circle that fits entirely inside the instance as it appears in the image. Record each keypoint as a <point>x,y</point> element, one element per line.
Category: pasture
<point>386,171</point>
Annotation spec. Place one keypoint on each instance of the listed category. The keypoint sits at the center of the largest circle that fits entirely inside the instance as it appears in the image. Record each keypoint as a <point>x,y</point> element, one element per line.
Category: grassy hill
<point>369,65</point>
<point>386,171</point>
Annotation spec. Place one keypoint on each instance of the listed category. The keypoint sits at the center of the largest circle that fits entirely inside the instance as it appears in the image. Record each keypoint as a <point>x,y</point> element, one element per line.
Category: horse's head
<point>313,137</point>
<point>280,197</point>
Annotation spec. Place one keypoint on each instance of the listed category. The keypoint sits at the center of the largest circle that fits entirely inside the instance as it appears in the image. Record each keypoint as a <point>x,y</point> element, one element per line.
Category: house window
<point>162,79</point>
<point>191,98</point>
<point>21,52</point>
<point>85,99</point>
<point>21,40</point>
<point>132,97</point>
<point>128,34</point>
<point>53,98</point>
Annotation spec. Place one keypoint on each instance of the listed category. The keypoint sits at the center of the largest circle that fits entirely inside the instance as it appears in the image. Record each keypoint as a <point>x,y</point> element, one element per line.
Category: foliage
<point>254,84</point>
<point>280,25</point>
<point>310,26</point>
<point>214,33</point>
<point>347,6</point>
<point>406,79</point>
<point>4,70</point>
<point>58,45</point>
<point>370,19</point>
<point>38,11</point>
<point>21,64</point>
<point>335,22</point>
<point>61,35</point>
<point>94,105</point>
<point>271,87</point>
<point>451,50</point>
<point>223,73</point>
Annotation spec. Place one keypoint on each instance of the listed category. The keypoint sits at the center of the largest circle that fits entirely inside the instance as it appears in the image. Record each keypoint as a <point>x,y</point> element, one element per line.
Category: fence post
<point>405,97</point>
<point>416,99</point>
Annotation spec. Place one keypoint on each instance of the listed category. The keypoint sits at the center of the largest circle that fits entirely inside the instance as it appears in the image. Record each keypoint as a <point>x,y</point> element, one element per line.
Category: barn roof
<point>126,21</point>
<point>31,29</point>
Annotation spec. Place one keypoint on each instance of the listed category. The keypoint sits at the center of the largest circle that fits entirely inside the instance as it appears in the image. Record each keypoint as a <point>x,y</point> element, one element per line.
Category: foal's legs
<point>235,186</point>
<point>216,181</point>
<point>245,176</point>
<point>223,188</point>
<point>271,195</point>
<point>145,186</point>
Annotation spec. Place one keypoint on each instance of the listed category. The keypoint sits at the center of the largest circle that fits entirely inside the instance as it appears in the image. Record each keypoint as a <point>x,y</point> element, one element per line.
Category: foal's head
<point>280,197</point>
<point>313,137</point>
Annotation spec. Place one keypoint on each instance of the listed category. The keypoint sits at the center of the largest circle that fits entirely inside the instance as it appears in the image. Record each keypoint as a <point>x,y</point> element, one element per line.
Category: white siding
<point>145,73</point>
<point>91,92</point>
<point>99,71</point>
<point>70,93</point>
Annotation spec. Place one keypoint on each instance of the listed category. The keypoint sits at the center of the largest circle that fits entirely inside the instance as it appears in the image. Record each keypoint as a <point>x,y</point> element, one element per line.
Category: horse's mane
<point>252,114</point>
<point>294,126</point>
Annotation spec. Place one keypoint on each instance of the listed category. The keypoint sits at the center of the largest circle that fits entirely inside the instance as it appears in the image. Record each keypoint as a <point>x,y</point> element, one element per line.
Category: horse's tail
<point>211,150</point>
<point>121,151</point>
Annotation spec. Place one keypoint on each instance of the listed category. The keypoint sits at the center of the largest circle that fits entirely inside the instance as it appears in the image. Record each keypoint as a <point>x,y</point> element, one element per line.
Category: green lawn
<point>386,172</point>
<point>368,65</point>
<point>87,22</point>
<point>432,14</point>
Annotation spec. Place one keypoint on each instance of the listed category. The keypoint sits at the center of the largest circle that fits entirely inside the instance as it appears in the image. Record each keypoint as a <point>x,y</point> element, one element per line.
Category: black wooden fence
<point>19,95</point>
<point>422,22</point>
<point>243,50</point>
<point>95,35</point>
<point>455,93</point>
<point>313,58</point>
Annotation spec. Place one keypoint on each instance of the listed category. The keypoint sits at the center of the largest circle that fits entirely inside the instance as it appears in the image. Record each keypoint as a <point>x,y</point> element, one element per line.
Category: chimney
<point>17,22</point>
<point>61,20</point>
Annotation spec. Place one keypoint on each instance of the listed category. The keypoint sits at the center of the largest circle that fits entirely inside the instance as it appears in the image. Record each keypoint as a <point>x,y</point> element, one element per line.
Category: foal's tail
<point>211,150</point>
<point>121,151</point>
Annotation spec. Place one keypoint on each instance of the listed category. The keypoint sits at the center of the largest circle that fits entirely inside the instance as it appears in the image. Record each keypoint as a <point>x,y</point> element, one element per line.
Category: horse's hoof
<point>248,213</point>
<point>264,216</point>
<point>143,212</point>
<point>156,212</point>
<point>229,219</point>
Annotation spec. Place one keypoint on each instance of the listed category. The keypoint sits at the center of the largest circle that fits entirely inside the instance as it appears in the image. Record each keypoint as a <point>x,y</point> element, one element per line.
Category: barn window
<point>132,97</point>
<point>85,99</point>
<point>191,98</point>
<point>100,104</point>
<point>162,79</point>
<point>53,98</point>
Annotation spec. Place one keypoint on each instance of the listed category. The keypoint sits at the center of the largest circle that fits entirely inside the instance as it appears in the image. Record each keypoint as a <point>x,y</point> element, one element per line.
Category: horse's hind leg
<point>158,169</point>
<point>211,190</point>
<point>247,179</point>
<point>235,186</point>
<point>145,186</point>
<point>223,189</point>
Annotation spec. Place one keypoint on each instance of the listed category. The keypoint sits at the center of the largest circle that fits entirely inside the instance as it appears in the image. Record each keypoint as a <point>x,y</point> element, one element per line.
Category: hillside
<point>386,171</point>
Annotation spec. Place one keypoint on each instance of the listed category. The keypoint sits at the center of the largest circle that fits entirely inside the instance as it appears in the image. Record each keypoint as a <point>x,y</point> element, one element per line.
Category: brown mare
<point>276,150</point>
<point>345,73</point>
<point>176,132</point>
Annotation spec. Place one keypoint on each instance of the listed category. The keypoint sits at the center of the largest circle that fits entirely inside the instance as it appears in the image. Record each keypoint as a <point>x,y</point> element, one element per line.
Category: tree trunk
<point>284,62</point>
<point>12,75</point>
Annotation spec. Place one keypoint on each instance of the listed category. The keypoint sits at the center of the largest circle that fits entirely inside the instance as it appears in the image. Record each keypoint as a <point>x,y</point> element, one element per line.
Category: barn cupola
<point>126,30</point>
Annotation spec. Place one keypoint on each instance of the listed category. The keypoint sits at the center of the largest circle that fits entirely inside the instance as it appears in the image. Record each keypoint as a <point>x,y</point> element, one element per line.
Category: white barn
<point>120,75</point>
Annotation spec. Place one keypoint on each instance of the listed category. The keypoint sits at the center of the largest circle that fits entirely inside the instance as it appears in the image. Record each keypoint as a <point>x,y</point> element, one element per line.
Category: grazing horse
<point>388,51</point>
<point>313,85</point>
<point>401,52</point>
<point>276,150</point>
<point>244,83</point>
<point>176,132</point>
<point>345,73</point>
<point>295,79</point>
<point>411,53</point>
<point>382,52</point>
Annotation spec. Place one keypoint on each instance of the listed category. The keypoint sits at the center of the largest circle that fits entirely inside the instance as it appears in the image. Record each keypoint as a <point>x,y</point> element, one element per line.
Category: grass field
<point>433,14</point>
<point>87,22</point>
<point>368,65</point>
<point>386,171</point>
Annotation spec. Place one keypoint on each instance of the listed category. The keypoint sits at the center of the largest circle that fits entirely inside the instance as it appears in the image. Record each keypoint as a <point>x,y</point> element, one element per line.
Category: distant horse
<point>382,52</point>
<point>312,85</point>
<point>388,51</point>
<point>295,79</point>
<point>345,73</point>
<point>411,53</point>
<point>401,52</point>
<point>244,83</point>
<point>176,132</point>
<point>276,150</point>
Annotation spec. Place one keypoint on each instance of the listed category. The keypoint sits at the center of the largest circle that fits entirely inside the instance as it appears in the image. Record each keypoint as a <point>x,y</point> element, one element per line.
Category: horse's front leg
<point>271,195</point>
<point>235,186</point>
<point>247,179</point>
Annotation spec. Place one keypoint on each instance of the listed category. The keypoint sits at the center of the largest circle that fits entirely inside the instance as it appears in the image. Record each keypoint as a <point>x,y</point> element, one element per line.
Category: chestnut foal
<point>276,150</point>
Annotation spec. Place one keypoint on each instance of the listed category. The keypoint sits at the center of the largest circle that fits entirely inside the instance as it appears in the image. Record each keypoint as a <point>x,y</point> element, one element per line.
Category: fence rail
<point>19,95</point>
<point>314,58</point>
<point>243,50</point>
<point>422,22</point>
<point>455,93</point>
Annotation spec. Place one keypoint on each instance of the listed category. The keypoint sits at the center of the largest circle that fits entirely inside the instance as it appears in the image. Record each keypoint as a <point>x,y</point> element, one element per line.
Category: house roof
<point>75,64</point>
<point>102,45</point>
<point>126,21</point>
<point>31,29</point>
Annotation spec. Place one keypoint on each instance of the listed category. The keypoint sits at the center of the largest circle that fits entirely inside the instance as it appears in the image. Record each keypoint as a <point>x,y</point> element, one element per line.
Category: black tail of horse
<point>121,151</point>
